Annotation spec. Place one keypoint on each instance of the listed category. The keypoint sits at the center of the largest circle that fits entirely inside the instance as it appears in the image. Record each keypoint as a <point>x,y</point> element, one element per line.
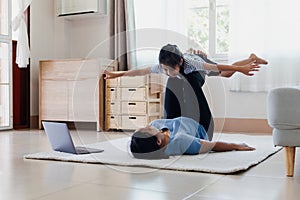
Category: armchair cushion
<point>283,108</point>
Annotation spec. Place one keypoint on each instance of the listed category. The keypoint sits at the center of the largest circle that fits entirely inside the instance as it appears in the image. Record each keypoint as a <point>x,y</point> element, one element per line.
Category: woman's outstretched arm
<point>135,72</point>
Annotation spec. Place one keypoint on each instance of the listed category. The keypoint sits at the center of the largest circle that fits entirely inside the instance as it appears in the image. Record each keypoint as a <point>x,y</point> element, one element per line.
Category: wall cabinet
<point>133,102</point>
<point>73,90</point>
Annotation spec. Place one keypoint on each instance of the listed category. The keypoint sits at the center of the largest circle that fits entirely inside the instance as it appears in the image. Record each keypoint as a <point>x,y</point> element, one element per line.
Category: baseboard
<point>234,125</point>
<point>34,122</point>
<point>239,125</point>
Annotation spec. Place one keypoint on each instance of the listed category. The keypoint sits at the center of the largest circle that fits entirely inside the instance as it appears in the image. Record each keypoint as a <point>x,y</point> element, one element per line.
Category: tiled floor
<point>34,179</point>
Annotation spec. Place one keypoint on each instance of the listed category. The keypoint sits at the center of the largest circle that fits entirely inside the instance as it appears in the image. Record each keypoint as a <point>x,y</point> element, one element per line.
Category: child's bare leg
<point>258,59</point>
<point>249,60</point>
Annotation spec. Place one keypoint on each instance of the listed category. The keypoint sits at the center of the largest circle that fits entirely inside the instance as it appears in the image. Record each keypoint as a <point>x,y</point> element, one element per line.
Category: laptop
<point>61,140</point>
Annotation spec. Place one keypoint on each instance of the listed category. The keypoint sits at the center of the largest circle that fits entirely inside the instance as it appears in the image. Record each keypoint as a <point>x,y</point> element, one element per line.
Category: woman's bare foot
<point>257,59</point>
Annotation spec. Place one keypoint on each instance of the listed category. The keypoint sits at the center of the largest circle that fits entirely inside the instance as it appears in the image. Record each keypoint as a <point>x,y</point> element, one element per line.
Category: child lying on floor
<point>178,136</point>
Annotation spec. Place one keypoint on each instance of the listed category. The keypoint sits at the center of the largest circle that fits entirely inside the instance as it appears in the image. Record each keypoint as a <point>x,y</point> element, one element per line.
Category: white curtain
<point>270,29</point>
<point>19,23</point>
<point>159,22</point>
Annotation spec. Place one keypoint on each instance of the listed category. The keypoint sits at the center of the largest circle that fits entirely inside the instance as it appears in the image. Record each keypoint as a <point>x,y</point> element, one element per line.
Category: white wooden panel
<point>113,107</point>
<point>112,94</point>
<point>54,100</point>
<point>112,82</point>
<point>83,100</point>
<point>113,122</point>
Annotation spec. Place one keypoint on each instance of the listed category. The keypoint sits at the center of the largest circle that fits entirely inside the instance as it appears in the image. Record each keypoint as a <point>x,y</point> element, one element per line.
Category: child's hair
<point>144,146</point>
<point>170,55</point>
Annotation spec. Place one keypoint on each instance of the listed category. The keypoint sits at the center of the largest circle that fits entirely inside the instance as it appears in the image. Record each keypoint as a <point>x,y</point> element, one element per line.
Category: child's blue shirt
<point>185,135</point>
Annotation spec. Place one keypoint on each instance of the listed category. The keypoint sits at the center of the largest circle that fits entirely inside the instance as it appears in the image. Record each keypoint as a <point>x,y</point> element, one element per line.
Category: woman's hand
<point>111,75</point>
<point>135,72</point>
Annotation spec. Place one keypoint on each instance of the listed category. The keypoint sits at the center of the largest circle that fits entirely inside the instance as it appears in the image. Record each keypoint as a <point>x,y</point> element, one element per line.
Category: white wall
<point>90,36</point>
<point>41,44</point>
<point>227,104</point>
<point>53,38</point>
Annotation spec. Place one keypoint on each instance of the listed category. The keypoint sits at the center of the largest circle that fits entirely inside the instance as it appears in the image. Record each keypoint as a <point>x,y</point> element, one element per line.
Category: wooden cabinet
<point>132,102</point>
<point>73,90</point>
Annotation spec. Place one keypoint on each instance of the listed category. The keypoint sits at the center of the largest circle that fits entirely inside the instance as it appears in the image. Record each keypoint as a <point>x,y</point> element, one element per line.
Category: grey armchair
<point>283,111</point>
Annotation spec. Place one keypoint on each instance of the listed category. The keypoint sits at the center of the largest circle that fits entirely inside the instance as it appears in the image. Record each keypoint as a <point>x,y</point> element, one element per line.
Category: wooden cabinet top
<point>75,69</point>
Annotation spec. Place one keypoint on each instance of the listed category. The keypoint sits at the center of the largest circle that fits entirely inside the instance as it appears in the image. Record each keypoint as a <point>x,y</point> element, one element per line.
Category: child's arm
<point>207,146</point>
<point>136,72</point>
<point>245,69</point>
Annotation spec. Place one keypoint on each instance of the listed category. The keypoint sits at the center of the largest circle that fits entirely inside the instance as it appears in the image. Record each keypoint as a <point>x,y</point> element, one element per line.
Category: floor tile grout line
<point>217,180</point>
<point>60,190</point>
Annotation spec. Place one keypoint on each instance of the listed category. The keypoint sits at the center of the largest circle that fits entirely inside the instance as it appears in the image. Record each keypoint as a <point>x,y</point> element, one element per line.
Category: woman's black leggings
<point>185,97</point>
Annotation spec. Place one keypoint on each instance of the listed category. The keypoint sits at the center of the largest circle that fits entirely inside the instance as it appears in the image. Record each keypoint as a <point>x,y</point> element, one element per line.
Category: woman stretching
<point>187,71</point>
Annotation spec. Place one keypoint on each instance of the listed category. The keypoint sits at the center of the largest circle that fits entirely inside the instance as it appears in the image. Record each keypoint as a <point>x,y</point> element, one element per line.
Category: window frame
<point>212,32</point>
<point>8,40</point>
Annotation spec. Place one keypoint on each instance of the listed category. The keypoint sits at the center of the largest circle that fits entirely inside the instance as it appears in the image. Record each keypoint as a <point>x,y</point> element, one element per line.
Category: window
<point>201,24</point>
<point>274,37</point>
<point>208,26</point>
<point>158,23</point>
<point>5,66</point>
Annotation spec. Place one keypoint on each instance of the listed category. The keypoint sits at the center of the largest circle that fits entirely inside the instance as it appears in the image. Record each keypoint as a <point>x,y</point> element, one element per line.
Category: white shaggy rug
<point>116,153</point>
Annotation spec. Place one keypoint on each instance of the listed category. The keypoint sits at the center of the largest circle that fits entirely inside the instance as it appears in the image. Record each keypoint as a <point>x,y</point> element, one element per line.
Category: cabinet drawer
<point>153,118</point>
<point>153,95</point>
<point>137,81</point>
<point>112,107</point>
<point>112,82</point>
<point>113,122</point>
<point>154,108</point>
<point>131,107</point>
<point>112,94</point>
<point>131,94</point>
<point>133,121</point>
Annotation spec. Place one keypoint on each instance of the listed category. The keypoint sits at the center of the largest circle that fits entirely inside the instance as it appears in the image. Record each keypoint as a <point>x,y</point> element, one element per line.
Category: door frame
<point>21,86</point>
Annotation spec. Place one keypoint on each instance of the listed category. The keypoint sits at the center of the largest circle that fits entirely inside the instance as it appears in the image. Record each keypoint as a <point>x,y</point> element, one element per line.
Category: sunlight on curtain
<point>271,30</point>
<point>122,40</point>
<point>157,23</point>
